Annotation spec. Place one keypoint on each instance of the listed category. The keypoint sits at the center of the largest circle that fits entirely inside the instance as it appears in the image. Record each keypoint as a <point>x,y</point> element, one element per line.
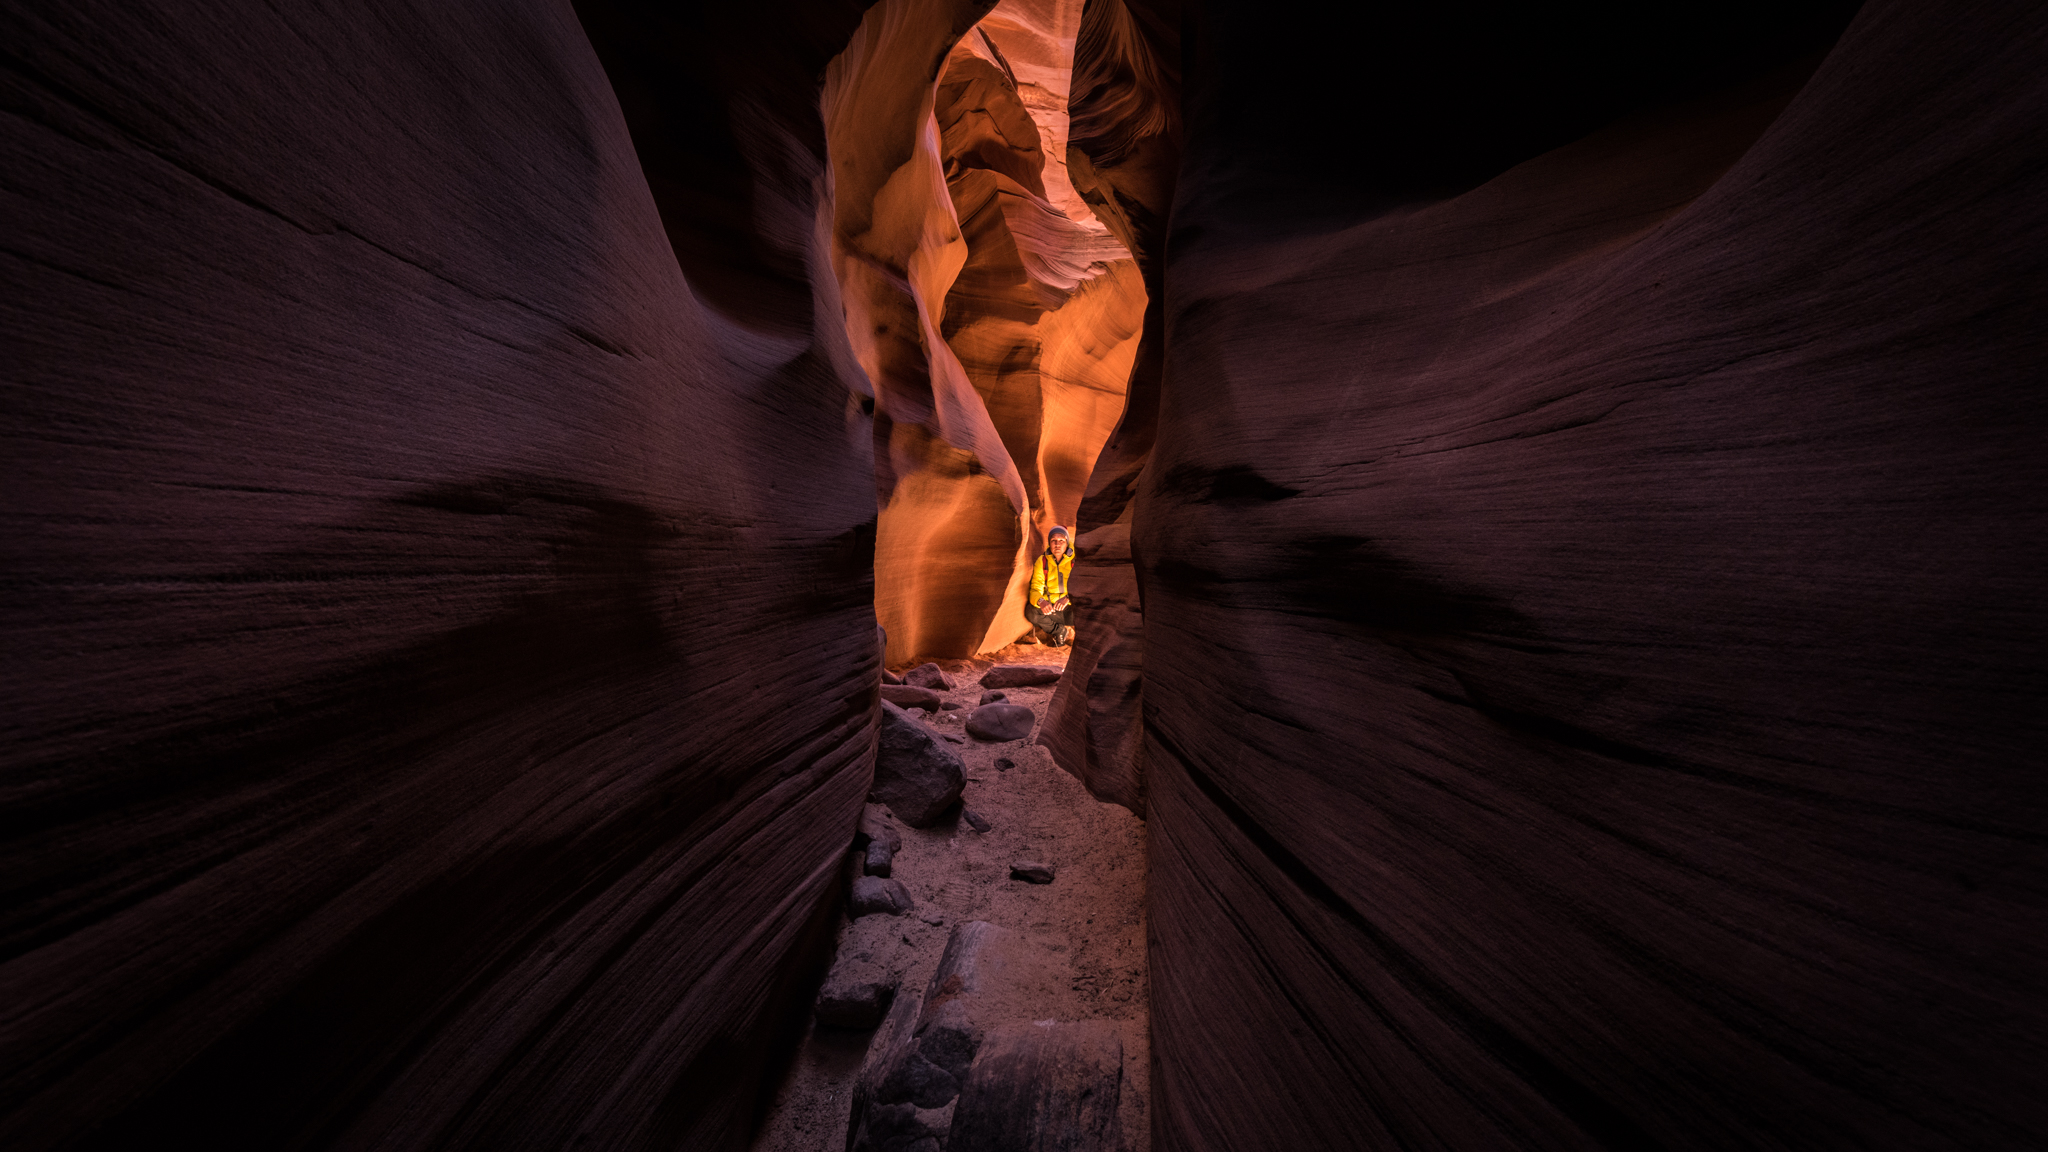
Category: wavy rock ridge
<point>1582,686</point>
<point>997,324</point>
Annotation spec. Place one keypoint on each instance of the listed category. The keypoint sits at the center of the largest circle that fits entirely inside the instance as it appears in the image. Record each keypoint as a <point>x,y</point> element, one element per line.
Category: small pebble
<point>1031,872</point>
<point>974,820</point>
<point>1004,763</point>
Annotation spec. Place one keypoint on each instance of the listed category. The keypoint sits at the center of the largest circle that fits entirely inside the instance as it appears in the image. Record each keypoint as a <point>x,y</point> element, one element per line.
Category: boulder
<point>880,858</point>
<point>856,1004</point>
<point>1019,675</point>
<point>1042,1085</point>
<point>1031,872</point>
<point>951,705</point>
<point>876,894</point>
<point>993,697</point>
<point>889,677</point>
<point>928,676</point>
<point>997,722</point>
<point>915,775</point>
<point>911,696</point>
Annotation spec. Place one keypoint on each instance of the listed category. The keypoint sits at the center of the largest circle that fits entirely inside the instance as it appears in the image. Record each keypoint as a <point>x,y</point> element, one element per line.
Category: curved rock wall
<point>402,555</point>
<point>995,314</point>
<point>1590,692</point>
<point>1124,154</point>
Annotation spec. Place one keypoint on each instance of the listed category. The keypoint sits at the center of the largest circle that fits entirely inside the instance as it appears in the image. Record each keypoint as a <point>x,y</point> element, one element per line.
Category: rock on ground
<point>1019,675</point>
<point>1041,1085</point>
<point>1031,872</point>
<point>911,696</point>
<point>874,895</point>
<point>916,775</point>
<point>999,722</point>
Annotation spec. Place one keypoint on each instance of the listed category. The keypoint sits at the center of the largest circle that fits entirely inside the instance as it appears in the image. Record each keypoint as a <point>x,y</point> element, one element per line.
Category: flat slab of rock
<point>928,676</point>
<point>999,722</point>
<point>1039,1087</point>
<point>1031,872</point>
<point>916,775</point>
<point>1019,675</point>
<point>877,894</point>
<point>910,696</point>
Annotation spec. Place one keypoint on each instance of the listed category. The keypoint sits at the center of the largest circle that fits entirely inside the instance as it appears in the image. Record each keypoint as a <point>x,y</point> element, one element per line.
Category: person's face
<point>1059,545</point>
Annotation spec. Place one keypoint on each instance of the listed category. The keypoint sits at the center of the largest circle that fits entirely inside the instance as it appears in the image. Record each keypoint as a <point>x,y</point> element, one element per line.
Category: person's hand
<point>1061,606</point>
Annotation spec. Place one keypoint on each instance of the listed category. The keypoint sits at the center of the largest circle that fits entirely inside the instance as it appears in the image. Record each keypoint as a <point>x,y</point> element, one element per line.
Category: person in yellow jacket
<point>1049,610</point>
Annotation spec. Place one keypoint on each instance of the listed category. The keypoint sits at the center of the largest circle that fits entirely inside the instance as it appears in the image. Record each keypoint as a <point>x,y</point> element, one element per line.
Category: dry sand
<point>1087,925</point>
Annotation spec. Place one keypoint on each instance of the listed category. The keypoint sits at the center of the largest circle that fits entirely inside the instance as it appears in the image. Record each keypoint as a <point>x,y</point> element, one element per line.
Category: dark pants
<point>1048,623</point>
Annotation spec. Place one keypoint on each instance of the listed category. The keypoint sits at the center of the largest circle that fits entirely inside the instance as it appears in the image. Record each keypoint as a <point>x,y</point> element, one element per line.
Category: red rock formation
<point>1125,150</point>
<point>1590,677</point>
<point>999,328</point>
<point>402,559</point>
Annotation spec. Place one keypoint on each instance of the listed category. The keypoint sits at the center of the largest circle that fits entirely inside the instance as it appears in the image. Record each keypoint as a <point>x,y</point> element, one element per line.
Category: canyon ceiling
<point>1560,502</point>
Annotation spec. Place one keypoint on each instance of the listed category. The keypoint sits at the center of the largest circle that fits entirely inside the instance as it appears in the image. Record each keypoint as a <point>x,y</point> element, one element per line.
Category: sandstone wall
<point>1590,682</point>
<point>403,560</point>
<point>996,315</point>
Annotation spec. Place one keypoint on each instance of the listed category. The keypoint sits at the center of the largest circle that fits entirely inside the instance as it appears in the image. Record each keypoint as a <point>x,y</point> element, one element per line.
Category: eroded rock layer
<point>1124,152</point>
<point>997,316</point>
<point>1591,698</point>
<point>401,557</point>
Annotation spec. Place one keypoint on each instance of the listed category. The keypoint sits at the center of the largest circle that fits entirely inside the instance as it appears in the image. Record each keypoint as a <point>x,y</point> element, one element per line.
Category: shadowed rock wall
<point>1124,153</point>
<point>401,556</point>
<point>1591,692</point>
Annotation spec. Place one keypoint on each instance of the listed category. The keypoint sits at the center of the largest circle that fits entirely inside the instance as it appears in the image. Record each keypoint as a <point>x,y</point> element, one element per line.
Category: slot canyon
<point>1554,493</point>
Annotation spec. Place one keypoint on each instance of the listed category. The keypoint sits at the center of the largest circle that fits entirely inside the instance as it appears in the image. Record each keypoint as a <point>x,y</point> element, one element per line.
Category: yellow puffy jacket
<point>1049,576</point>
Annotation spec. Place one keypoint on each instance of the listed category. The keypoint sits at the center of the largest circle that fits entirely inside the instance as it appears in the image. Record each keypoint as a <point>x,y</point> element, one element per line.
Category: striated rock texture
<point>1592,676</point>
<point>401,555</point>
<point>997,318</point>
<point>1126,140</point>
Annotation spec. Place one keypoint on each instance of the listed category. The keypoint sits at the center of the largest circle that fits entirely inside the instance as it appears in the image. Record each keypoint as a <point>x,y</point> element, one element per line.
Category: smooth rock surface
<point>998,722</point>
<point>394,484</point>
<point>915,774</point>
<point>1587,696</point>
<point>929,676</point>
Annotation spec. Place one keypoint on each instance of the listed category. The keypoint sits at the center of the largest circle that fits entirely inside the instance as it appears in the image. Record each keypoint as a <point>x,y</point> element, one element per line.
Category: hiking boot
<point>1062,637</point>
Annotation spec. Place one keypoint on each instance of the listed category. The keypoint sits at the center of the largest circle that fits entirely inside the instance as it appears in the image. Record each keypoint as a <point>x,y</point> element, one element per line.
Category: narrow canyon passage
<point>1558,496</point>
<point>1081,934</point>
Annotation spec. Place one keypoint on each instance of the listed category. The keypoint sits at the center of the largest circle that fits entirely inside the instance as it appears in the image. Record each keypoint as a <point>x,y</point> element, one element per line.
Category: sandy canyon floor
<point>1088,924</point>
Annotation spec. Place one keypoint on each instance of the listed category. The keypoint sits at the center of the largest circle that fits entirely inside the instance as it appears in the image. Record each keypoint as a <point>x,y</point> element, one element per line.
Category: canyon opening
<point>521,518</point>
